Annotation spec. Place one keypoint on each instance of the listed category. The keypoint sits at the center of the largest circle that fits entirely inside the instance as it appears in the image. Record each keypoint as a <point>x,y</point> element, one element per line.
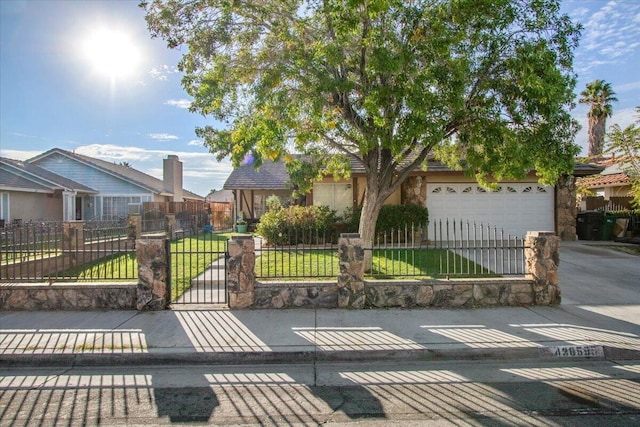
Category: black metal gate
<point>198,269</point>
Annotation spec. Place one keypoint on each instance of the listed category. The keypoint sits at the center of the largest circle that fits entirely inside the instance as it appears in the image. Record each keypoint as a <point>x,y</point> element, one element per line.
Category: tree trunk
<point>597,126</point>
<point>373,202</point>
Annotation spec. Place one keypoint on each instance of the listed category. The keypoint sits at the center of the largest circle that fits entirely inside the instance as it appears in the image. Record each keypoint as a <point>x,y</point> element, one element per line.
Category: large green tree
<point>485,85</point>
<point>598,95</point>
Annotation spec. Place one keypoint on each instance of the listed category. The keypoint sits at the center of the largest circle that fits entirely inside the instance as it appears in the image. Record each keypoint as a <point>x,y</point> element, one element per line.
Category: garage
<point>514,207</point>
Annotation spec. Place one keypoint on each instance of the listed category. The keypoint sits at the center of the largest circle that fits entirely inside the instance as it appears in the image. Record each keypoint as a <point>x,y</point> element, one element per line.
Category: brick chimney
<point>172,176</point>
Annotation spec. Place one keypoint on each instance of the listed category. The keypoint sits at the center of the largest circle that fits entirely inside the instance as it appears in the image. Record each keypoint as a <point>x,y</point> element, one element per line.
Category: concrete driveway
<point>593,274</point>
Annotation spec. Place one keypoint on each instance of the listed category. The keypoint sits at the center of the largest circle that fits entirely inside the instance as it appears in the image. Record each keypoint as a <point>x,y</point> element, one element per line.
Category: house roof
<point>433,165</point>
<point>22,175</point>
<point>220,196</point>
<point>269,176</point>
<point>597,181</point>
<point>274,176</point>
<point>126,173</point>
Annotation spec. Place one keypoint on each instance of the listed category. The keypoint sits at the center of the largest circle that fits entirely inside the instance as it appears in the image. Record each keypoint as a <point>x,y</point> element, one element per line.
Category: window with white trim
<point>116,207</point>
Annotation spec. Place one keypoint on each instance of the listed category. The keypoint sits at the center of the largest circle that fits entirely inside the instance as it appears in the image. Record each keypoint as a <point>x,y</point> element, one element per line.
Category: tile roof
<point>597,181</point>
<point>124,172</point>
<point>36,178</point>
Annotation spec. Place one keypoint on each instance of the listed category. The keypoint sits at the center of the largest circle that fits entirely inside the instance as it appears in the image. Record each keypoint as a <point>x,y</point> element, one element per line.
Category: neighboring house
<point>516,206</point>
<point>105,193</point>
<point>251,187</point>
<point>613,181</point>
<point>29,192</point>
<point>219,196</point>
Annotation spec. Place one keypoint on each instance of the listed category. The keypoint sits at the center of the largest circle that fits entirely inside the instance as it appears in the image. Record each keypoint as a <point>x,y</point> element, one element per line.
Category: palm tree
<point>599,96</point>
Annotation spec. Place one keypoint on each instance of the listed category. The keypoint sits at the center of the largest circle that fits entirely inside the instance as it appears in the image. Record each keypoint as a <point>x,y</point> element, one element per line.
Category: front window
<point>117,207</point>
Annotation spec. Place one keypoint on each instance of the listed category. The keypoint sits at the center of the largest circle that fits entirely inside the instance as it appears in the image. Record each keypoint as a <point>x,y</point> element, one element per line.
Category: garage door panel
<point>516,208</point>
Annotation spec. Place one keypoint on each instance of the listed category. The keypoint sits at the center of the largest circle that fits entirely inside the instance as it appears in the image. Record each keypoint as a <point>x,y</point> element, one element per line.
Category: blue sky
<point>127,104</point>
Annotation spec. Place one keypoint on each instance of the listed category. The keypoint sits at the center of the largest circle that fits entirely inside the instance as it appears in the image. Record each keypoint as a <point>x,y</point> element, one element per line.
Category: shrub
<point>297,225</point>
<point>392,217</point>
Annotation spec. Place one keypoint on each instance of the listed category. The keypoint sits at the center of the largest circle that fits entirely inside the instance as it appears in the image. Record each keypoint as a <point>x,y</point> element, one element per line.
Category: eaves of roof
<point>125,173</point>
<point>24,173</point>
<point>269,176</point>
<point>598,181</point>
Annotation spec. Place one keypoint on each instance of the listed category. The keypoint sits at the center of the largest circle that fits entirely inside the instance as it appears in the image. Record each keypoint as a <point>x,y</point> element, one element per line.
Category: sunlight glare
<point>111,53</point>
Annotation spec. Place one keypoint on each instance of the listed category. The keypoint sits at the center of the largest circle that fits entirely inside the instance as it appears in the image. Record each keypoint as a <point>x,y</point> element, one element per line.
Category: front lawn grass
<point>419,263</point>
<point>190,257</point>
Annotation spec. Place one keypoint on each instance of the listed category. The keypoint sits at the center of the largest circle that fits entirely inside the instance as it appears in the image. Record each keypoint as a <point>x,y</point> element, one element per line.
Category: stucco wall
<point>34,206</point>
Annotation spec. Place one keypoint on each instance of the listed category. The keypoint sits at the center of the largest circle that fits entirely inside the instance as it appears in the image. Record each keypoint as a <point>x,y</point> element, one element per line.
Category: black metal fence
<point>198,269</point>
<point>300,253</point>
<point>55,251</point>
<point>447,249</point>
<point>438,249</point>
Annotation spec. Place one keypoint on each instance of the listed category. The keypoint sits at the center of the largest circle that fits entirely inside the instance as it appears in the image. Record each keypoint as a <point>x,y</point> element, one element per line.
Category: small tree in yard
<point>484,85</point>
<point>627,143</point>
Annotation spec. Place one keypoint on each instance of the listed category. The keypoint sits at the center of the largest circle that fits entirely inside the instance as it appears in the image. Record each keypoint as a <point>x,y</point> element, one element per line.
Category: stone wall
<point>241,275</point>
<point>68,296</point>
<point>539,287</point>
<point>457,293</point>
<point>153,274</point>
<point>414,191</point>
<point>566,208</point>
<point>542,257</point>
<point>296,294</point>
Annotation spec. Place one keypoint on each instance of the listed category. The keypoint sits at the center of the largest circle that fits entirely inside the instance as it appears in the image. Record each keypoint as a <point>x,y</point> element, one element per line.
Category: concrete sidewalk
<point>600,315</point>
<point>209,335</point>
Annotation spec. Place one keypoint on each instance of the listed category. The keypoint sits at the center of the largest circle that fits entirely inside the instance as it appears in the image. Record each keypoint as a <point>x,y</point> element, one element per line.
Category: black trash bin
<point>589,226</point>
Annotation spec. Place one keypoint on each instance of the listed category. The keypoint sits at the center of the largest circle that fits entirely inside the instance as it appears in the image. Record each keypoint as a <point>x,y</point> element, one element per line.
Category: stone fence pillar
<point>73,242</point>
<point>135,226</point>
<point>154,291</point>
<point>241,277</point>
<point>171,227</point>
<point>542,257</point>
<point>351,278</point>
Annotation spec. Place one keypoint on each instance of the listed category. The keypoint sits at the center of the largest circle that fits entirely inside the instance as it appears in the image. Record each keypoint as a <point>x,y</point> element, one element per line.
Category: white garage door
<point>516,208</point>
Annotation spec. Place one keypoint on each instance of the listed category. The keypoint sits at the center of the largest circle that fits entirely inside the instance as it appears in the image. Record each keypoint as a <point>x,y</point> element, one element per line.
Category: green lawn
<point>190,257</point>
<point>418,263</point>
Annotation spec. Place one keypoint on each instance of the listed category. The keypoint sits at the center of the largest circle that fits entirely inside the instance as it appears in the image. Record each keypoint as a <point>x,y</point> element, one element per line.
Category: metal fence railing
<point>439,249</point>
<point>63,252</point>
<point>447,249</point>
<point>299,253</point>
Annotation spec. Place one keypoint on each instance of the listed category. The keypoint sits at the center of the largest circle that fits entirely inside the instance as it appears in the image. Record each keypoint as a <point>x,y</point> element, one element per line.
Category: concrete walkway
<point>599,318</point>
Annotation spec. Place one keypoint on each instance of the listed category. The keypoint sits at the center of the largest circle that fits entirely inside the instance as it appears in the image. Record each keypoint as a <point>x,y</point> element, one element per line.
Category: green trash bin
<point>607,226</point>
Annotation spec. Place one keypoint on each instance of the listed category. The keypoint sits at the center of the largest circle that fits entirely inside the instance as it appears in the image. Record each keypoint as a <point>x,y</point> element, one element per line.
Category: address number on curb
<point>574,351</point>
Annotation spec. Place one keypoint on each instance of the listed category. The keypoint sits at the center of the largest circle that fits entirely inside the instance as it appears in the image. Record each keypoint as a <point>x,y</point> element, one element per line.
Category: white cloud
<point>195,143</point>
<point>627,87</point>
<point>180,103</point>
<point>163,72</point>
<point>610,31</point>
<point>18,154</point>
<point>162,136</point>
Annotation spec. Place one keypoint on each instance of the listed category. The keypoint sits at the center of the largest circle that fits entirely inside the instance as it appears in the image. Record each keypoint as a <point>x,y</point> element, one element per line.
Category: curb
<point>302,357</point>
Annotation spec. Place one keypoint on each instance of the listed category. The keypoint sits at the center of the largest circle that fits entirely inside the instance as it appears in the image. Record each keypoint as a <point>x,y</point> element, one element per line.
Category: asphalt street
<point>418,393</point>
